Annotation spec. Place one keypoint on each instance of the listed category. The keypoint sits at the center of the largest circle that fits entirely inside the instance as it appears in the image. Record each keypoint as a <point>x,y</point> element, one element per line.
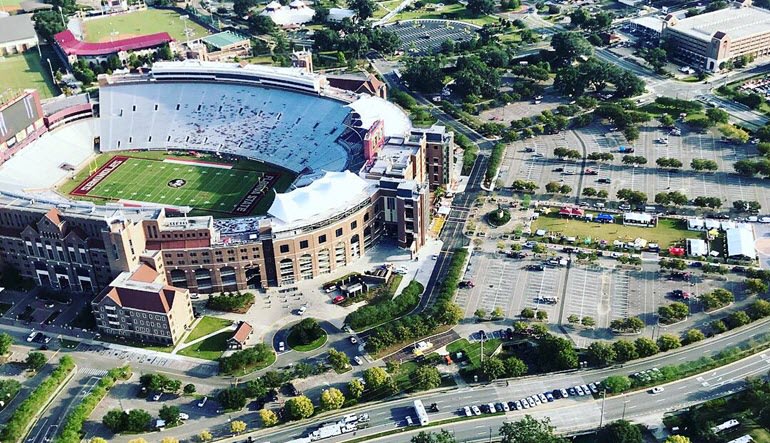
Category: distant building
<point>141,306</point>
<point>70,49</point>
<point>296,13</point>
<point>362,84</point>
<point>439,155</point>
<point>17,34</point>
<point>696,247</point>
<point>220,46</point>
<point>240,337</point>
<point>740,243</point>
<point>339,14</point>
<point>302,59</point>
<point>710,40</point>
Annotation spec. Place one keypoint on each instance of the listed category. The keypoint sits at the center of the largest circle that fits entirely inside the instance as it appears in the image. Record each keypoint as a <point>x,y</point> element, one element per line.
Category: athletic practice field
<point>25,71</point>
<point>137,23</point>
<point>208,187</point>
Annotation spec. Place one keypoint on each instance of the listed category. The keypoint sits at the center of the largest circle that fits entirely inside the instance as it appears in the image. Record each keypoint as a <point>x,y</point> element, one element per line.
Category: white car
<point>476,410</point>
<point>359,361</point>
<point>751,218</point>
<point>353,340</point>
<point>183,416</point>
<point>409,421</point>
<point>764,219</point>
<point>468,412</point>
<point>31,336</point>
<point>301,310</point>
<point>281,346</point>
<point>656,390</point>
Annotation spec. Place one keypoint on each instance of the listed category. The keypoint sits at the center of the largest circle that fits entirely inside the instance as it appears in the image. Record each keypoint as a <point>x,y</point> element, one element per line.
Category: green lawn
<point>206,326</point>
<point>472,351</point>
<point>291,341</point>
<point>150,21</point>
<point>10,5</point>
<point>257,367</point>
<point>209,349</point>
<point>454,11</point>
<point>665,234</point>
<point>28,71</point>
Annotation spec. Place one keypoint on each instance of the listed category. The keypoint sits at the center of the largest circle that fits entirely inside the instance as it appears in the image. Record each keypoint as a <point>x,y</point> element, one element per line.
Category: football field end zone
<point>97,177</point>
<point>256,193</point>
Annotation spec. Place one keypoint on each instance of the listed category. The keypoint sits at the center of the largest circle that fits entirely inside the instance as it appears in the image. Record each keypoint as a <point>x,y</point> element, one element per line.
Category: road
<point>568,415</point>
<point>46,428</point>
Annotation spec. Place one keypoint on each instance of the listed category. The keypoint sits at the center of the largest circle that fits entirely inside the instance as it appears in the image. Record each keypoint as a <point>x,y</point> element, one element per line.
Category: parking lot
<point>159,359</point>
<point>648,178</point>
<point>424,37</point>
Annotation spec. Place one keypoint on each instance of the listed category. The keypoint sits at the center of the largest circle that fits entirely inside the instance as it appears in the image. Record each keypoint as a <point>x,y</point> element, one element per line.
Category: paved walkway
<point>182,344</point>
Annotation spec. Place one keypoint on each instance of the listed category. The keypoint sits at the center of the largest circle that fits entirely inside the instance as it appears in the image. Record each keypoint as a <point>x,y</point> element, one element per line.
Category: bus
<point>422,415</point>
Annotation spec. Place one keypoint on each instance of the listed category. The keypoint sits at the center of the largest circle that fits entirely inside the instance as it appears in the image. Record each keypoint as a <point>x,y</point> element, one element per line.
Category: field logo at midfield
<point>177,183</point>
<point>99,176</point>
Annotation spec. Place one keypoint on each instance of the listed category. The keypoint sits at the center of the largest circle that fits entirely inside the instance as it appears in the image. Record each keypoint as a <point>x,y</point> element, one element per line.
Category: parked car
<point>359,361</point>
<point>656,390</point>
<point>467,411</point>
<point>281,346</point>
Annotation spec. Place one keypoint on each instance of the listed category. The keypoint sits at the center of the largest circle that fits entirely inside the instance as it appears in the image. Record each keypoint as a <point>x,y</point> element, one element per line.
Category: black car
<point>509,334</point>
<point>482,335</point>
<point>512,406</point>
<point>556,393</point>
<point>536,268</point>
<point>558,169</point>
<point>292,390</point>
<point>433,407</point>
<point>499,407</point>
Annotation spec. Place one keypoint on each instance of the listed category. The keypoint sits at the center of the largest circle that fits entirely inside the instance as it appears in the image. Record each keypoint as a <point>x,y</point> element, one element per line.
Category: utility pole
<point>61,14</point>
<point>601,417</point>
<point>623,417</point>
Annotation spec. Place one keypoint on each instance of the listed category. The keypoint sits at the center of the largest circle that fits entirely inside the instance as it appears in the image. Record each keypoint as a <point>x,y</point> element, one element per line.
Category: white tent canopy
<point>332,193</point>
<point>372,108</point>
<point>740,242</point>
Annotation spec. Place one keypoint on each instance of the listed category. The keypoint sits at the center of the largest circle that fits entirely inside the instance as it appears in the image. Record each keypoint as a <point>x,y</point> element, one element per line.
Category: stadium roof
<point>740,242</point>
<point>16,27</point>
<point>334,192</point>
<point>283,15</point>
<point>72,46</point>
<point>371,109</point>
<point>223,39</point>
<point>737,23</point>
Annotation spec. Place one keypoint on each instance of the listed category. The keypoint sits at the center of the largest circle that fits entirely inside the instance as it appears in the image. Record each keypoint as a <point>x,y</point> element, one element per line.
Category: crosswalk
<point>92,371</point>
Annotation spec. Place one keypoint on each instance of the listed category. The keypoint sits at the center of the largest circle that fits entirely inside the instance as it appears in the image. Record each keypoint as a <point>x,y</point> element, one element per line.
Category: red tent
<point>677,252</point>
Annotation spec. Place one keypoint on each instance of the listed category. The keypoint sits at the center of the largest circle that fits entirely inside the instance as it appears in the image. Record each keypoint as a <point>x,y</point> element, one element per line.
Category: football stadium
<point>219,176</point>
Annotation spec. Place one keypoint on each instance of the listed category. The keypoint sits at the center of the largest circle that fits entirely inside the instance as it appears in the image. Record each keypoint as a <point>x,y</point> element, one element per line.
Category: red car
<point>338,299</point>
<point>591,172</point>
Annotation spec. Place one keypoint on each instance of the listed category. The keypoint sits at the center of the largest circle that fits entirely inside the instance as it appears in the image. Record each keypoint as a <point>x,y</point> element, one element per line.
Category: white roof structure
<point>696,247</point>
<point>649,22</point>
<point>292,15</point>
<point>331,194</point>
<point>339,14</point>
<point>371,109</point>
<point>740,242</point>
<point>695,224</point>
<point>637,217</point>
<point>737,23</point>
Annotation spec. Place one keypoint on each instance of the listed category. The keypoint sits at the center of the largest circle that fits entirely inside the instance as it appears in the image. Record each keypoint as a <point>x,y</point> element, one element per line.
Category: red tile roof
<point>242,333</point>
<point>53,215</point>
<point>143,300</point>
<point>72,46</point>
<point>144,274</point>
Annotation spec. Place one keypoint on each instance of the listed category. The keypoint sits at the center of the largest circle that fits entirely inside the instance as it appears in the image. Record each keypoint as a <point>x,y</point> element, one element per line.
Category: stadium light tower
<point>186,32</point>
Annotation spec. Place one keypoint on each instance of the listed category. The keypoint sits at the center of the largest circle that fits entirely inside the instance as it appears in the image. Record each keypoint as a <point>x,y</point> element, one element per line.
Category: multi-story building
<point>141,306</point>
<point>439,156</point>
<point>709,41</point>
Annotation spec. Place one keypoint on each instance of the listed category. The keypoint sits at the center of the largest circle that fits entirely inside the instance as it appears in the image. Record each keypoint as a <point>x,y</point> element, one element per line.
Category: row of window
<point>304,244</point>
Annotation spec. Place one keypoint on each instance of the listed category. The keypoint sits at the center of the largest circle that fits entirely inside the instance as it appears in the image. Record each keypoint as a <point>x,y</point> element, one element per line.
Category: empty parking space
<point>584,292</point>
<point>540,285</point>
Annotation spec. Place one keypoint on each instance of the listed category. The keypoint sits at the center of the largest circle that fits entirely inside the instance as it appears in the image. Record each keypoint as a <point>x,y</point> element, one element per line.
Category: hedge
<point>494,162</point>
<point>16,426</point>
<point>73,423</point>
<point>375,314</point>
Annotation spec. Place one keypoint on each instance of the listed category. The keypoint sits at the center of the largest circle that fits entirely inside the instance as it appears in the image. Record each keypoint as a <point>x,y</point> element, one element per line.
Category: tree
<point>426,377</point>
<point>498,313</point>
<point>35,360</point>
<point>734,133</point>
<point>261,24</point>
<point>137,420</point>
<point>570,45</point>
<point>704,165</point>
<point>557,353</point>
<point>189,389</point>
<point>493,368</point>
<point>442,436</point>
<point>300,407</point>
<point>170,414</point>
<point>241,7</point>
<point>332,398</point>
<point>645,347</point>
<point>169,440</point>
<point>307,331</point>
<point>656,57</point>
<point>573,319</point>
<point>424,74</point>
<point>716,115</point>
<point>339,360</point>
<point>667,342</point>
<point>356,388</point>
<point>601,353</point>
<point>47,24</point>
<point>268,417</point>
<point>232,399</point>
<point>481,7</point>
<point>759,309</point>
<point>588,322</point>
<point>364,8</point>
<point>514,367</point>
<point>529,430</point>
<point>627,84</point>
<point>480,314</point>
<point>737,319</point>
<point>632,197</point>
<point>375,378</point>
<point>237,426</point>
<point>617,383</point>
<point>625,350</point>
<point>5,343</point>
<point>677,439</point>
<point>718,326</point>
<point>114,420</point>
<point>620,431</point>
<point>693,335</point>
<point>527,313</point>
<point>755,286</point>
<point>541,315</point>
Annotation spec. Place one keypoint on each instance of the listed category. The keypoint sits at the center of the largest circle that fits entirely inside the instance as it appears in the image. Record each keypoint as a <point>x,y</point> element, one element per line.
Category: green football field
<point>201,187</point>
<point>138,23</point>
<point>28,70</point>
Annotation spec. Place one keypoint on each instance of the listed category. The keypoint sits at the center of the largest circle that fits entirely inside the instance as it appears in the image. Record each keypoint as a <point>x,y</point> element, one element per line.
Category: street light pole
<point>601,417</point>
<point>623,417</point>
<point>61,14</point>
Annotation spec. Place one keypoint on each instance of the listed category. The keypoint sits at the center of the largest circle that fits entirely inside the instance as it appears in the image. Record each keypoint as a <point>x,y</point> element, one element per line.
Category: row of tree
<point>239,361</point>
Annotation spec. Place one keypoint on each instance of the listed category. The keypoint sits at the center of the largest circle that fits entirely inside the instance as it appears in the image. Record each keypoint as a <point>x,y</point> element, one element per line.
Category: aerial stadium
<point>221,176</point>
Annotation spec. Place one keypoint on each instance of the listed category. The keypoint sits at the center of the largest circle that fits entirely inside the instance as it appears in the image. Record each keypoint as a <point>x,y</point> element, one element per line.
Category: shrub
<point>387,310</point>
<point>230,302</point>
<point>244,359</point>
<point>26,411</point>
